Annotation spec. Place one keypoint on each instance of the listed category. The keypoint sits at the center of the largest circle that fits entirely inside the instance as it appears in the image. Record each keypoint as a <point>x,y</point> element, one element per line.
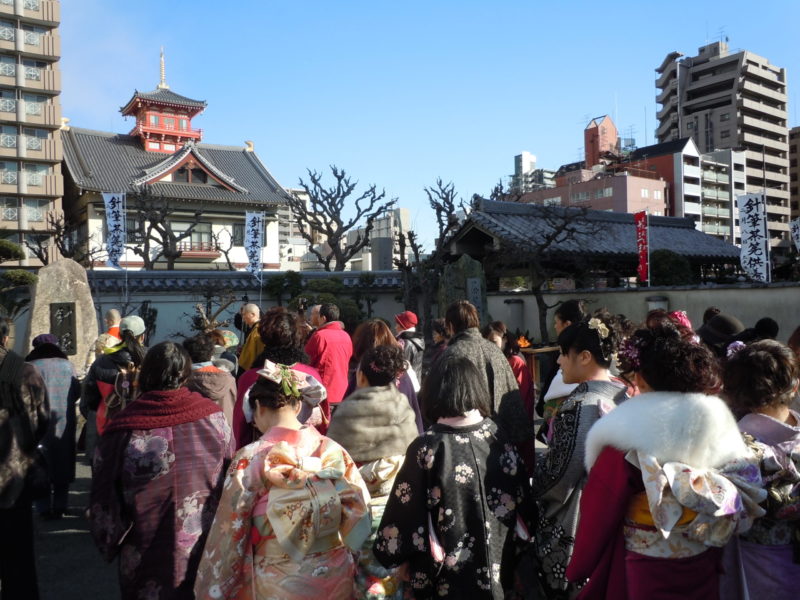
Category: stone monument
<point>464,280</point>
<point>62,304</point>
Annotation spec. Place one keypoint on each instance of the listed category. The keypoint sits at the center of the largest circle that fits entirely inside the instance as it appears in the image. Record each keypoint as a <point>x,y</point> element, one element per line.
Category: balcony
<point>38,79</point>
<point>670,105</point>
<point>666,125</point>
<point>765,125</point>
<point>760,107</point>
<point>39,113</point>
<point>762,73</point>
<point>198,251</point>
<point>760,90</point>
<point>671,88</point>
<point>173,131</point>
<point>45,11</point>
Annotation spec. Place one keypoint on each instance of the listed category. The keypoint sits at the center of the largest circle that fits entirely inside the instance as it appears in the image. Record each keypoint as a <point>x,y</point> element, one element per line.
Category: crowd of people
<point>298,459</point>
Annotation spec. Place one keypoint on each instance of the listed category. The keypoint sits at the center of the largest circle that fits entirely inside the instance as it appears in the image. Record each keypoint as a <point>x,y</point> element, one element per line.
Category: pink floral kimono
<point>293,510</point>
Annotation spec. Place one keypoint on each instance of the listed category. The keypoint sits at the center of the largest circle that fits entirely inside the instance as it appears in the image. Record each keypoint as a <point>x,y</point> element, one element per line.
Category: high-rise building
<point>732,100</point>
<point>527,177</point>
<point>31,185</point>
<point>794,172</point>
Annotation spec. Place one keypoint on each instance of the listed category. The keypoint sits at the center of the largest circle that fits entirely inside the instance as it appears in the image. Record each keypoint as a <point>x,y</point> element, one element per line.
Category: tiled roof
<point>112,281</point>
<point>600,233</point>
<point>165,96</point>
<point>108,162</point>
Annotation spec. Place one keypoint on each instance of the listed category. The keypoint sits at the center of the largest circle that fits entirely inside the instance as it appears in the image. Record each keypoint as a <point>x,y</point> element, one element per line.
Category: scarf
<point>165,408</point>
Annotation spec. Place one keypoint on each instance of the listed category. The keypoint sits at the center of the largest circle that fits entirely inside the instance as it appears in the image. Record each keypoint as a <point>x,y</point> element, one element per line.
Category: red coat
<point>599,552</point>
<point>329,350</point>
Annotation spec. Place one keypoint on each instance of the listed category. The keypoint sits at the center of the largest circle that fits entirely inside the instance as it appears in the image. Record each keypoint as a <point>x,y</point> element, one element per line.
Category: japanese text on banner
<point>254,240</point>
<point>642,245</point>
<point>754,256</point>
<point>115,225</point>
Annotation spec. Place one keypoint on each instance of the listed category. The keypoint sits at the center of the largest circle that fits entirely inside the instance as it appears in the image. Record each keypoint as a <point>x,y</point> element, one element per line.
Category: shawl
<point>163,408</point>
<point>374,422</point>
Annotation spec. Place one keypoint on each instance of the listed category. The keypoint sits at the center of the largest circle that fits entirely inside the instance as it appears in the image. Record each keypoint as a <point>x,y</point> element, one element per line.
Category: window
<point>9,208</point>
<point>35,239</point>
<point>31,4</point>
<point>579,197</point>
<point>554,201</point>
<point>7,31</point>
<point>238,228</point>
<point>690,125</point>
<point>169,123</point>
<point>186,175</point>
<point>36,209</point>
<point>8,102</point>
<point>657,194</point>
<point>33,69</point>
<point>34,173</point>
<point>34,137</point>
<point>154,120</point>
<point>645,193</point>
<point>34,103</point>
<point>133,232</point>
<point>33,34</point>
<point>725,133</point>
<point>8,65</point>
<point>8,172</point>
<point>183,124</point>
<point>8,136</point>
<point>725,117</point>
<point>200,239</point>
<point>168,147</point>
<point>199,176</point>
<point>605,192</point>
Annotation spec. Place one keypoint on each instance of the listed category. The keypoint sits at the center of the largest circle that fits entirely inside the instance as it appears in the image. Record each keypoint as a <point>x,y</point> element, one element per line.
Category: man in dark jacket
<point>410,339</point>
<point>24,414</point>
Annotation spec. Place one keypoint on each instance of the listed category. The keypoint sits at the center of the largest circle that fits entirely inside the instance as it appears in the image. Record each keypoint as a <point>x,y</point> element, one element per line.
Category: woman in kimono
<point>375,424</point>
<point>587,351</point>
<point>761,380</point>
<point>58,445</point>
<point>460,486</point>
<point>293,510</point>
<point>670,479</point>
<point>158,471</point>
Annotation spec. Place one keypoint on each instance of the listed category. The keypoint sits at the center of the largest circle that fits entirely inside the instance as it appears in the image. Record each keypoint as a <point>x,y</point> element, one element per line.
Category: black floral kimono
<point>459,488</point>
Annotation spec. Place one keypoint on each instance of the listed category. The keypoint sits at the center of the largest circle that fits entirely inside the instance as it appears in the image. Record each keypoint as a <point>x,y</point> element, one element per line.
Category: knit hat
<point>45,338</point>
<point>406,320</point>
<point>134,324</point>
<point>720,329</point>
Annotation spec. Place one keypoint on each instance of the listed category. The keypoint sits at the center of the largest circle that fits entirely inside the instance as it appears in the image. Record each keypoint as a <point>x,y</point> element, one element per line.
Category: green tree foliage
<point>669,268</point>
<point>10,251</point>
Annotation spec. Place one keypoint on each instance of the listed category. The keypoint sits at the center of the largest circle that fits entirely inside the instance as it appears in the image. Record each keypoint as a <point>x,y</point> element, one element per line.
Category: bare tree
<point>155,236</point>
<point>223,243</point>
<point>323,216</point>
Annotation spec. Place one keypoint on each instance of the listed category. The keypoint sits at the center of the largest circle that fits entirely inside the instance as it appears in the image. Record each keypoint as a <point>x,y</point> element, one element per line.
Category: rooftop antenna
<point>163,83</point>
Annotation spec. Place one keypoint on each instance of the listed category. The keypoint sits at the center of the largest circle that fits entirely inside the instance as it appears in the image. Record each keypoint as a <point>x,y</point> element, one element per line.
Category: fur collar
<point>694,429</point>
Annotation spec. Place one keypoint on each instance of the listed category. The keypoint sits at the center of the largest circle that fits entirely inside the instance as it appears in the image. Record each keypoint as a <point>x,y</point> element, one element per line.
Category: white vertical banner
<point>755,236</point>
<point>254,241</point>
<point>115,225</point>
<point>795,228</point>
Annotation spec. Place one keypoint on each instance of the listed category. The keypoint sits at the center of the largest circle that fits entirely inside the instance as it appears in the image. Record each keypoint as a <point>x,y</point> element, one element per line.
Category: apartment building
<point>732,100</point>
<point>527,177</point>
<point>31,185</point>
<point>794,172</point>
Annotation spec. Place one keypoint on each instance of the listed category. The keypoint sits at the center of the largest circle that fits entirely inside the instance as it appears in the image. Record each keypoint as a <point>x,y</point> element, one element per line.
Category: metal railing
<point>196,246</point>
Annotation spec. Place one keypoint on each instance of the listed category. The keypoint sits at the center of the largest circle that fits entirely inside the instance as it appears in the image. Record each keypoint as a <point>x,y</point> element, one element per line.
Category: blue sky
<point>400,93</point>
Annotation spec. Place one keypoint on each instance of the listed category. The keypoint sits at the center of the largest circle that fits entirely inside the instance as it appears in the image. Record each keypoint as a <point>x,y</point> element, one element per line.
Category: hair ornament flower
<point>631,353</point>
<point>734,347</point>
<point>599,326</point>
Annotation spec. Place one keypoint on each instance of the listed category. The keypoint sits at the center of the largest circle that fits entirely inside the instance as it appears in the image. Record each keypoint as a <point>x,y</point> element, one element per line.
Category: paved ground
<point>68,564</point>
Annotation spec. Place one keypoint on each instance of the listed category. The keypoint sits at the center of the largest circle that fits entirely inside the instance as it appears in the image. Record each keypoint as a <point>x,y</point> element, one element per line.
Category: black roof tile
<point>108,162</point>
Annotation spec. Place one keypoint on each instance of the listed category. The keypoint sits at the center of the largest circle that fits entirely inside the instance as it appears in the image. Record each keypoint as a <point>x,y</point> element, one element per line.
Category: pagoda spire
<point>163,83</point>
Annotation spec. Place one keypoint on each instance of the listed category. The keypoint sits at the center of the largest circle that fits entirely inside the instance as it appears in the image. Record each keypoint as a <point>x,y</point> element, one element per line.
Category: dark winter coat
<point>104,370</point>
<point>508,410</point>
<point>15,458</point>
<point>413,348</point>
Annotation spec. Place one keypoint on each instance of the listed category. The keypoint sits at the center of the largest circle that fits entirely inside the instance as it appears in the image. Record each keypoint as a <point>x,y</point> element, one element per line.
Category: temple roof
<point>600,234</point>
<point>163,96</point>
<point>108,162</point>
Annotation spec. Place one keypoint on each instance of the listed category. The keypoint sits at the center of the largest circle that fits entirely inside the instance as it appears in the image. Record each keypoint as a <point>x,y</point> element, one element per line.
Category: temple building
<point>168,174</point>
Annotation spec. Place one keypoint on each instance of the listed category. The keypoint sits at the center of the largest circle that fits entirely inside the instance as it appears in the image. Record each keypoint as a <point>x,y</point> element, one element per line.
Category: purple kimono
<point>760,563</point>
<point>154,495</point>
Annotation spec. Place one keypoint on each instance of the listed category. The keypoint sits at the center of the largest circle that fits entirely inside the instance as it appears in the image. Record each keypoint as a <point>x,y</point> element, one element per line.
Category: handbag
<point>37,479</point>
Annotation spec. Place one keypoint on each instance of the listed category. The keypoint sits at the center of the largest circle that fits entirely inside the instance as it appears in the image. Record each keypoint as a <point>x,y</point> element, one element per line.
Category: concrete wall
<point>749,304</point>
